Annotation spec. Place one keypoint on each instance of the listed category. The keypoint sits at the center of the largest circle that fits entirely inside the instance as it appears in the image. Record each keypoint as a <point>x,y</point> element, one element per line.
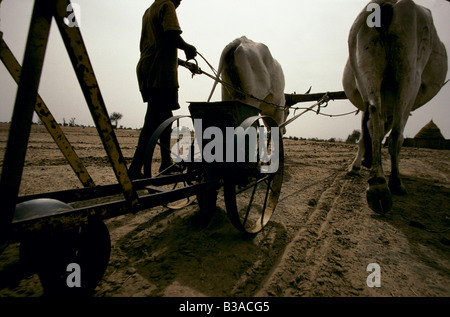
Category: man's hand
<point>193,68</point>
<point>190,51</point>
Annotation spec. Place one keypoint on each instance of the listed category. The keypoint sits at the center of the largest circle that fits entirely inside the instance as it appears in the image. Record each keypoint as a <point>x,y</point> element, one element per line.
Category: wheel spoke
<point>249,205</point>
<point>161,147</point>
<point>243,189</point>
<point>174,155</point>
<point>265,202</point>
<point>250,211</point>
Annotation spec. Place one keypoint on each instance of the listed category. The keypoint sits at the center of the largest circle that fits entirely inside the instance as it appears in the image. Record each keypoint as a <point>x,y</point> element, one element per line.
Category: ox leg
<point>395,182</point>
<point>364,148</point>
<point>355,167</point>
<point>401,115</point>
<point>378,195</point>
<point>408,88</point>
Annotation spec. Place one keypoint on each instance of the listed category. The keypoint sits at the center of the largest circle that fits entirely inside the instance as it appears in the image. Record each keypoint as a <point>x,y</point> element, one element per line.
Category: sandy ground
<point>319,242</point>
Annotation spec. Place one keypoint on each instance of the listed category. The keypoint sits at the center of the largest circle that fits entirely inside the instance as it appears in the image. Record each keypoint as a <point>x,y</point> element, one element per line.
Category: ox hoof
<point>354,171</point>
<point>366,163</point>
<point>379,198</point>
<point>396,187</point>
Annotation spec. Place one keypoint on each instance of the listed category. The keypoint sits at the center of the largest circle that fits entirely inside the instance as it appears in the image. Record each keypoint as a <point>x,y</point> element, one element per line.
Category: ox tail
<point>228,50</point>
<point>219,73</point>
<point>387,13</point>
<point>227,65</point>
<point>215,84</point>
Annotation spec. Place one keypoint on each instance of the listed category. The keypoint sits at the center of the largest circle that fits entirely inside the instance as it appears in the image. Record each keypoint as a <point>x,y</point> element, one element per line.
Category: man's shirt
<point>157,67</point>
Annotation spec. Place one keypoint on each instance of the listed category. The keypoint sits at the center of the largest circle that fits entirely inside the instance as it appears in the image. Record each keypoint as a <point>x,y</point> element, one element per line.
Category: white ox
<point>391,71</point>
<point>249,70</point>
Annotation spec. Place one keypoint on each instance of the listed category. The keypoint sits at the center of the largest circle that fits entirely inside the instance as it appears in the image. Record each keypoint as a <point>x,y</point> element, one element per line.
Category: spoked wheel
<point>253,187</point>
<point>170,157</point>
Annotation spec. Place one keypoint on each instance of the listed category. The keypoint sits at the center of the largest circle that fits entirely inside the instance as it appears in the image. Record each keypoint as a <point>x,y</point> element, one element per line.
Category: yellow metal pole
<point>79,57</point>
<point>47,119</point>
<point>19,131</point>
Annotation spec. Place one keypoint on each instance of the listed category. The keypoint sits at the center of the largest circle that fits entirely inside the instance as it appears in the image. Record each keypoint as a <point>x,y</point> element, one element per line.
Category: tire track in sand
<point>311,264</point>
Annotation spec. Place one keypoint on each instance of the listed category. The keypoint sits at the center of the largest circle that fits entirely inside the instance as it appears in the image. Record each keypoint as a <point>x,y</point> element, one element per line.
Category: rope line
<point>196,70</point>
<point>327,114</point>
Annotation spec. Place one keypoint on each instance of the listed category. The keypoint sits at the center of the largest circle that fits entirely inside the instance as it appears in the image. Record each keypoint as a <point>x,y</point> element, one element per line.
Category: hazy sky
<point>308,38</point>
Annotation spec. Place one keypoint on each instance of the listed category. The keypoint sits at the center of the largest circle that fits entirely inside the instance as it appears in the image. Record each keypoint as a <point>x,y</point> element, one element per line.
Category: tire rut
<point>310,246</point>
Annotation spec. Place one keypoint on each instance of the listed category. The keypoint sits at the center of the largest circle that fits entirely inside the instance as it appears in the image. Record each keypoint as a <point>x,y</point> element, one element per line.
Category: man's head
<point>176,3</point>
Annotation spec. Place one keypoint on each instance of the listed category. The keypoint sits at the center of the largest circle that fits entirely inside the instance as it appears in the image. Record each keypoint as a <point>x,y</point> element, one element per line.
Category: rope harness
<point>321,103</point>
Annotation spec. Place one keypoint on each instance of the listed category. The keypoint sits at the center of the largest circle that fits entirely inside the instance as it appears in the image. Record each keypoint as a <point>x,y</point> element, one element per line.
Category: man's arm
<point>174,39</point>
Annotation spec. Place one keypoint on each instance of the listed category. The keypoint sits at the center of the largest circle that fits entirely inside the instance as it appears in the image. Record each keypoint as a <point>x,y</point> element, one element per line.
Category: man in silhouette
<point>157,73</point>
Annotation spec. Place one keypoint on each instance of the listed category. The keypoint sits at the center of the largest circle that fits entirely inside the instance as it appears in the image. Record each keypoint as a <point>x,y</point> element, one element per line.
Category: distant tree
<point>116,116</point>
<point>72,122</point>
<point>354,137</point>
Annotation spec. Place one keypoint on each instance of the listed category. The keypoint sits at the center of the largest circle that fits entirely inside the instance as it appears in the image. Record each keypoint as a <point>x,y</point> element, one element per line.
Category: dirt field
<point>319,242</point>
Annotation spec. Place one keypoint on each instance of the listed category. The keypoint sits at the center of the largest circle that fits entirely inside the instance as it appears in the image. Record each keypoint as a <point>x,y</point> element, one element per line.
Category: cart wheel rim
<point>153,159</point>
<point>251,202</point>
